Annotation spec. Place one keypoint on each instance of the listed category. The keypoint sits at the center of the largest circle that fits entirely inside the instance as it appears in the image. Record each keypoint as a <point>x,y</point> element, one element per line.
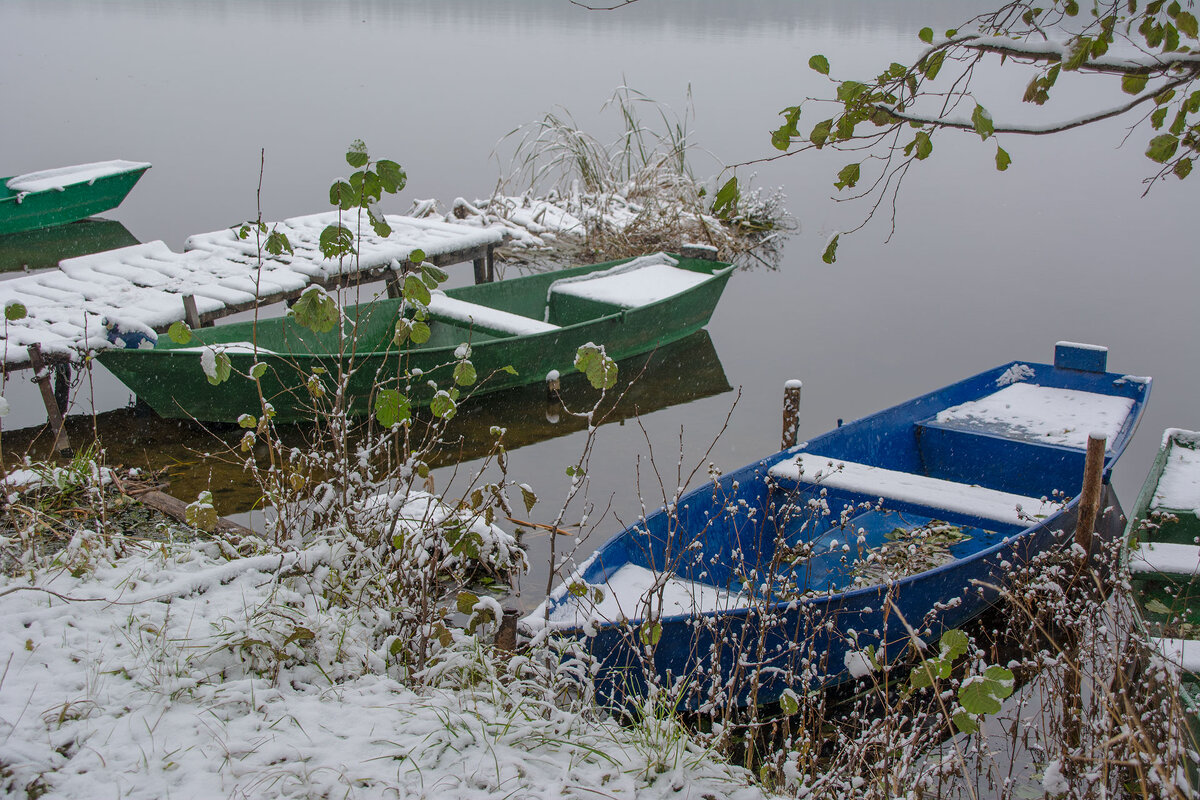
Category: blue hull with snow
<point>802,569</point>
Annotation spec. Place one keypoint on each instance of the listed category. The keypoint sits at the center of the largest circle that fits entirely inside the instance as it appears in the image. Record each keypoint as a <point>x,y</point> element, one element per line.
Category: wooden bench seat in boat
<point>634,284</point>
<point>910,489</point>
<point>1165,559</point>
<point>1016,434</point>
<point>484,318</point>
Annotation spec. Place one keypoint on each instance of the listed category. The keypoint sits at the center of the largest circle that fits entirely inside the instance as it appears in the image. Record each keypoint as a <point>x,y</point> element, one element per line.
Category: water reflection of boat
<point>678,373</point>
<point>675,374</point>
<point>43,249</point>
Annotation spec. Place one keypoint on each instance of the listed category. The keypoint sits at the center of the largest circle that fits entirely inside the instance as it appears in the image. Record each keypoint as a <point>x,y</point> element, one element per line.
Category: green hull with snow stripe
<point>171,380</point>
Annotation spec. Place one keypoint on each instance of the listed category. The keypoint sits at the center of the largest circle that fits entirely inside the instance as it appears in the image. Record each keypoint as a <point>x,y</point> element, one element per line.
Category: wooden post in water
<point>1089,496</point>
<point>791,414</point>
<point>41,377</point>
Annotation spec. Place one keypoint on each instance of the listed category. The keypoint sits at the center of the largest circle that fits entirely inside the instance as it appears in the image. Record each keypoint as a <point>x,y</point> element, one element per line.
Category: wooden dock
<point>72,310</point>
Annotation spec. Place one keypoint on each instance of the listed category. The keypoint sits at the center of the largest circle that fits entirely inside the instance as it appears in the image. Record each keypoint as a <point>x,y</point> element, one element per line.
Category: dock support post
<point>1089,496</point>
<point>481,269</point>
<point>791,414</point>
<point>41,376</point>
<point>191,314</point>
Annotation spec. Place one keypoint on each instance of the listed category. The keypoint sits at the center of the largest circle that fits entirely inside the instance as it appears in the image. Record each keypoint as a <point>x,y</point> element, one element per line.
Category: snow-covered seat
<point>1039,415</point>
<point>484,318</point>
<point>911,489</point>
<point>636,283</point>
<point>1166,559</point>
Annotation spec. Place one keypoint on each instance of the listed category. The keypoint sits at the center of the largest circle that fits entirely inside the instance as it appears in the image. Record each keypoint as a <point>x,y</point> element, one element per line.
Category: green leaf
<point>1183,168</point>
<point>179,332</point>
<point>464,373</point>
<point>343,195</point>
<point>782,138</point>
<point>201,514</point>
<point>1071,8</point>
<point>1134,84</point>
<point>725,203</point>
<point>221,369</point>
<point>848,176</point>
<point>924,145</point>
<point>592,361</point>
<point>1003,159</point>
<point>465,602</point>
<point>528,497</point>
<point>378,223</point>
<point>926,35</point>
<point>650,633</point>
<point>509,369</point>
<point>789,703</point>
<point>416,256</point>
<point>830,254</point>
<point>932,65</point>
<point>820,64</point>
<point>820,132</point>
<point>316,310</point>
<point>1157,117</point>
<point>337,241</point>
<point>278,243</point>
<point>982,121</point>
<point>391,175</point>
<point>420,332</point>
<point>258,370</point>
<point>1080,49</point>
<point>577,588</point>
<point>372,188</point>
<point>953,644</point>
<point>1000,680</point>
<point>433,275</point>
<point>849,91</point>
<point>247,421</point>
<point>415,290</point>
<point>1162,148</point>
<point>392,408</point>
<point>442,405</point>
<point>965,722</point>
<point>1186,22</point>
<point>357,156</point>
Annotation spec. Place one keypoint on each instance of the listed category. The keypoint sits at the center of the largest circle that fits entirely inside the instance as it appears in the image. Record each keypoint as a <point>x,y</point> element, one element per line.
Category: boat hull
<point>782,576</point>
<point>29,211</point>
<point>171,381</point>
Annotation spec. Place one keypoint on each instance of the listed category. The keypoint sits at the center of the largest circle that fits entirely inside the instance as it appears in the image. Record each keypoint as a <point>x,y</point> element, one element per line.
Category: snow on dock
<point>73,309</point>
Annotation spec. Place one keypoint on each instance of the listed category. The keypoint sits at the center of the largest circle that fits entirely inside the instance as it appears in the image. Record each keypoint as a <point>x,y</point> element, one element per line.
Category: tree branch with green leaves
<point>1151,51</point>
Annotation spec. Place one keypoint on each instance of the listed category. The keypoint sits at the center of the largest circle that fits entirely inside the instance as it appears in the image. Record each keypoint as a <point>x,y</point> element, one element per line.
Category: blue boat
<point>811,567</point>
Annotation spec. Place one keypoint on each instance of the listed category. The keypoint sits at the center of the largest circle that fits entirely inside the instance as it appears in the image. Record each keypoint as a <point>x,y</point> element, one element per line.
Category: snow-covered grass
<point>176,671</point>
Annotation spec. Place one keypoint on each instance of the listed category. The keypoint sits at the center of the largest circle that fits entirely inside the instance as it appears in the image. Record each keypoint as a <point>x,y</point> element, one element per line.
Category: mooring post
<point>791,414</point>
<point>481,269</point>
<point>1089,495</point>
<point>191,314</point>
<point>41,377</point>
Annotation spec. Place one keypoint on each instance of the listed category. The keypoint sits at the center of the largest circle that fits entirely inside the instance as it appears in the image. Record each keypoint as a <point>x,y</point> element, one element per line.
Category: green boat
<point>1163,559</point>
<point>518,331</point>
<point>65,194</point>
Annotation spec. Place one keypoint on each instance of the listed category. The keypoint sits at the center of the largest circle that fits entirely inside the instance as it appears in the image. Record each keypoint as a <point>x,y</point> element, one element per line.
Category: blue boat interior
<point>771,530</point>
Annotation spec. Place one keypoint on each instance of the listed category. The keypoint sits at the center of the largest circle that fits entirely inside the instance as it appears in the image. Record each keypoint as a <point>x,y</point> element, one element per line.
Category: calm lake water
<point>983,267</point>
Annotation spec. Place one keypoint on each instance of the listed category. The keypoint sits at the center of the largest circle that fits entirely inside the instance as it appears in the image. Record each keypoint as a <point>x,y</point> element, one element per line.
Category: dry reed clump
<point>636,194</point>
